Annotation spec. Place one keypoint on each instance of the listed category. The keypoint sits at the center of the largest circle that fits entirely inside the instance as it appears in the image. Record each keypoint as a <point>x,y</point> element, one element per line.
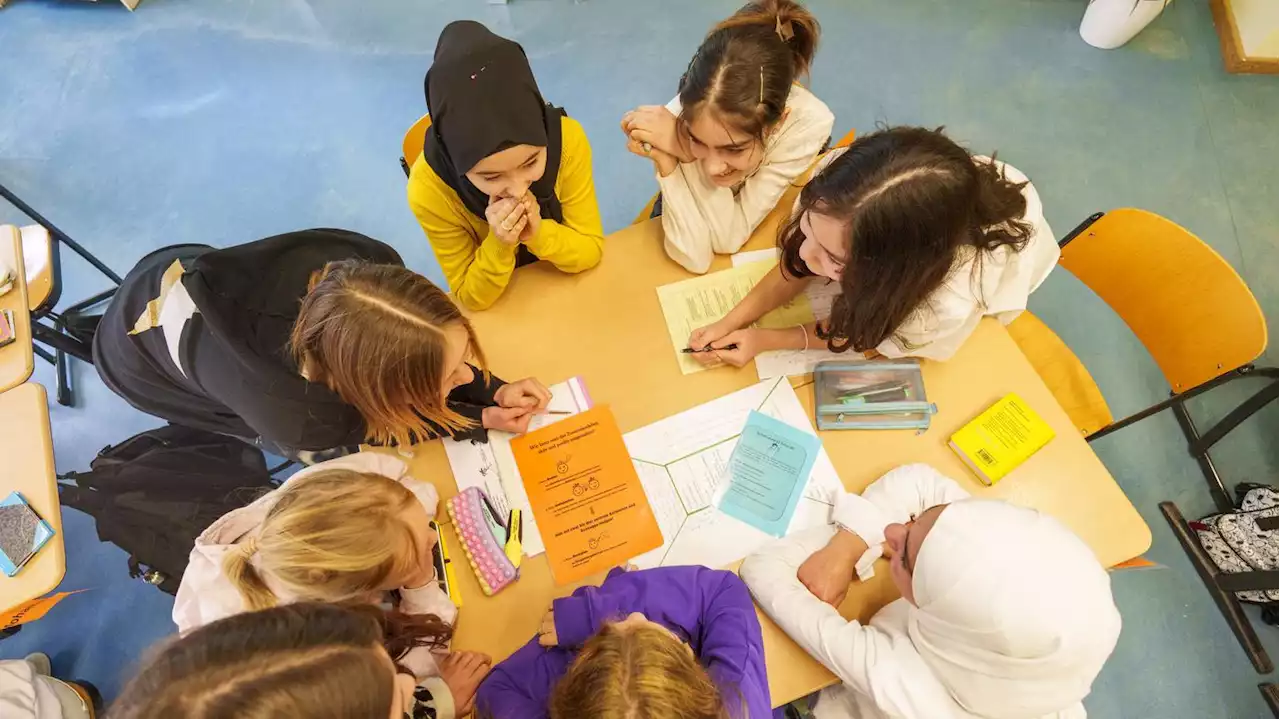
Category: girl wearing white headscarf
<point>1006,614</point>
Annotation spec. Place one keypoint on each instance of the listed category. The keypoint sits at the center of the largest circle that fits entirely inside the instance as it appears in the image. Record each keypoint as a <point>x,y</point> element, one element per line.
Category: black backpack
<point>155,492</point>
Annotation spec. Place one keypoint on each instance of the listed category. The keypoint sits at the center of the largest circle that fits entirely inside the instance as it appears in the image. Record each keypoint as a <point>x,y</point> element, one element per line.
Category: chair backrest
<point>1191,310</point>
<point>847,140</point>
<point>412,146</point>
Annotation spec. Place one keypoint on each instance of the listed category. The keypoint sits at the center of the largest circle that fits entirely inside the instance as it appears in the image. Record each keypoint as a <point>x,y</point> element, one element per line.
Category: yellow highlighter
<point>444,568</point>
<point>514,548</point>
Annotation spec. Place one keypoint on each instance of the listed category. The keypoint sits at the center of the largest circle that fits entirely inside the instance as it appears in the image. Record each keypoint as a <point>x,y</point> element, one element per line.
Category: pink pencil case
<point>482,535</point>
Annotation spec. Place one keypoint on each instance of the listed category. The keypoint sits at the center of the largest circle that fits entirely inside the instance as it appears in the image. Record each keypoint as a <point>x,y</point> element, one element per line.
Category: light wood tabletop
<point>17,359</point>
<point>26,453</point>
<point>606,325</point>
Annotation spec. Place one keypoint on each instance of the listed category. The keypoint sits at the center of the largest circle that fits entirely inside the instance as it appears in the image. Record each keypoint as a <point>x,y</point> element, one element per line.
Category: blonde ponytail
<point>237,565</point>
<point>334,536</point>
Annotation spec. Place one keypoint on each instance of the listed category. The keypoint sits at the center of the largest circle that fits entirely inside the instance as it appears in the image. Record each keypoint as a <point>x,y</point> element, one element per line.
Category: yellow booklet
<point>1001,438</point>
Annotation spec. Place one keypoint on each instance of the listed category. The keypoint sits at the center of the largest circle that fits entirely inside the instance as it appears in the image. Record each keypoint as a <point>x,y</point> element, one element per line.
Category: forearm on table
<point>800,337</point>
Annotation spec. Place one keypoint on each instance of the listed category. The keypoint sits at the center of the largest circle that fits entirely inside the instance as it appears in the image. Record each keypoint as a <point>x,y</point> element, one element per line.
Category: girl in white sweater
<point>349,530</point>
<point>1005,613</point>
<point>923,240</point>
<point>737,135</point>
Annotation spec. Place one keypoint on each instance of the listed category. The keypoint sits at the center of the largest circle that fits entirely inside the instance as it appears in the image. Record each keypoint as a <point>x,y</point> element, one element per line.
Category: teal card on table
<point>768,471</point>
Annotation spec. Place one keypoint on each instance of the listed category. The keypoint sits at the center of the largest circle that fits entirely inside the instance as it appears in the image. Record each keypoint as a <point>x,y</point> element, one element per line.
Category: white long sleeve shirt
<point>882,674</point>
<point>998,286</point>
<point>701,220</point>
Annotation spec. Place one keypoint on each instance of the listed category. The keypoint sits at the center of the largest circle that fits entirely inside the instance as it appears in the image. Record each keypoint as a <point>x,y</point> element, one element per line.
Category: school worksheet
<point>683,462</point>
<point>492,467</point>
<point>700,301</point>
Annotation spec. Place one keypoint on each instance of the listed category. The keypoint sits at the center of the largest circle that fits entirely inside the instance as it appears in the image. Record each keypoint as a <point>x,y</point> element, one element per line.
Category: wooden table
<point>26,455</point>
<point>17,359</point>
<point>607,326</point>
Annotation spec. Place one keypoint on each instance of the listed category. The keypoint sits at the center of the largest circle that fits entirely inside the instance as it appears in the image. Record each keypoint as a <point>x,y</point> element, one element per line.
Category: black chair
<point>68,333</point>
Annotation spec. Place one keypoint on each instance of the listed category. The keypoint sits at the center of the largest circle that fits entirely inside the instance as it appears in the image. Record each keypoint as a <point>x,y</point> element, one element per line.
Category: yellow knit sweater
<point>476,263</point>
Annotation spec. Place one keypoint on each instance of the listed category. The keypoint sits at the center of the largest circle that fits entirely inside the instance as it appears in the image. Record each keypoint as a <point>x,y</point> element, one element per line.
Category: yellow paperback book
<point>1001,438</point>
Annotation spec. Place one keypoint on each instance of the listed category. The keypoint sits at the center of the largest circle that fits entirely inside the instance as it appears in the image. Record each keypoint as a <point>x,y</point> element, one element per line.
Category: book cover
<point>22,533</point>
<point>1001,438</point>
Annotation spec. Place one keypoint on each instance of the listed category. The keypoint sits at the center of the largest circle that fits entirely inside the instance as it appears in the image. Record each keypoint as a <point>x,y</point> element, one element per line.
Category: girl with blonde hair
<point>318,661</point>
<point>304,341</point>
<point>350,530</point>
<point>665,643</point>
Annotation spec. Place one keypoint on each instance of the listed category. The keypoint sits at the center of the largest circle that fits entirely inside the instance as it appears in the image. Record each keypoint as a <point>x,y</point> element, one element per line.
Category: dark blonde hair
<point>333,536</point>
<point>301,660</point>
<point>744,69</point>
<point>374,334</point>
<point>643,671</point>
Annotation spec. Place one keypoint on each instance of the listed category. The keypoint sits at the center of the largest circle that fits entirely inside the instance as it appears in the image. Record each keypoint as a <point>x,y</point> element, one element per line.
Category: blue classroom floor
<point>223,121</point>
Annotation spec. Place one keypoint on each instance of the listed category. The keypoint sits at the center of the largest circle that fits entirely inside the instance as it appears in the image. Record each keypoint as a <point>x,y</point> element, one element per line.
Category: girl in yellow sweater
<point>504,179</point>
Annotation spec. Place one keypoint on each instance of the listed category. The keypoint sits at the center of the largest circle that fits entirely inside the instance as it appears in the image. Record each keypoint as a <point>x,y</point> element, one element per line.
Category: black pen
<point>709,348</point>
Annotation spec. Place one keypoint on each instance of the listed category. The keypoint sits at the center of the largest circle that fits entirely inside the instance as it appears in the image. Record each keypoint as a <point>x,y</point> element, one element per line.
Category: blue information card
<point>769,469</point>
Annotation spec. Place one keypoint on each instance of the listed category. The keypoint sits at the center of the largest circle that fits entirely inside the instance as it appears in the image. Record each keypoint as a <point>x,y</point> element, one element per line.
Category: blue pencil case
<point>22,533</point>
<point>876,394</point>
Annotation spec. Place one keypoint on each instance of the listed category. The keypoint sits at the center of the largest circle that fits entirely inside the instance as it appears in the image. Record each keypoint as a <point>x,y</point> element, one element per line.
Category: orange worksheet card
<point>585,494</point>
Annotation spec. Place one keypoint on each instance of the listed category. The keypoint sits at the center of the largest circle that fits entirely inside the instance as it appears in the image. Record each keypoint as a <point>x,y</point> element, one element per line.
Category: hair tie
<point>784,29</point>
<point>762,84</point>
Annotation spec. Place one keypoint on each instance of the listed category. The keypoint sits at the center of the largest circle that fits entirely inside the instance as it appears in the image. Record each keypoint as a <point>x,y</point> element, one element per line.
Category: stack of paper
<point>683,462</point>
<point>492,467</point>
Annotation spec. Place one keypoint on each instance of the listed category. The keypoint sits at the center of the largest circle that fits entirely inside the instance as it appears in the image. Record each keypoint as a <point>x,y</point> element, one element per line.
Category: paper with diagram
<point>821,294</point>
<point>697,302</point>
<point>586,495</point>
<point>492,467</point>
<point>683,463</point>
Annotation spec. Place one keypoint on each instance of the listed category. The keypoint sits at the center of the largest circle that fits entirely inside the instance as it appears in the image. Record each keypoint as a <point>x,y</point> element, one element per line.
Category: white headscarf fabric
<point>1013,612</point>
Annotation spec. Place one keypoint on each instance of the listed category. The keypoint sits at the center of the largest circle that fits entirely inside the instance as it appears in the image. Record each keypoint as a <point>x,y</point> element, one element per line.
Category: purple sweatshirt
<point>710,609</point>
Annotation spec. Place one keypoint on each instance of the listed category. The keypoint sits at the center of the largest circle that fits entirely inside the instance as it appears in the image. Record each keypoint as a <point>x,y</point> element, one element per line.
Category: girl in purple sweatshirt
<point>667,642</point>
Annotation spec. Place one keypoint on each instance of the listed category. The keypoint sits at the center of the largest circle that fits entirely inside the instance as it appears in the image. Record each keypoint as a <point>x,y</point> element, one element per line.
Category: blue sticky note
<point>768,472</point>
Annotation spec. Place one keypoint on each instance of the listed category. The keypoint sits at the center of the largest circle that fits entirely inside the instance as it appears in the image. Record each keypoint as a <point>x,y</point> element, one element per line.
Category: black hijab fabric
<point>482,99</point>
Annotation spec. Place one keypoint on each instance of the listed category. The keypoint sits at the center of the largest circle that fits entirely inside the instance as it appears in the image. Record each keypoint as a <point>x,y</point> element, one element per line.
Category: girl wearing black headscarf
<point>504,178</point>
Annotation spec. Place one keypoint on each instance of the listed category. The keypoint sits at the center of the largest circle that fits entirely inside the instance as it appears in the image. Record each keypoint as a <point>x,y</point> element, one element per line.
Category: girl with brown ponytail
<point>923,239</point>
<point>739,132</point>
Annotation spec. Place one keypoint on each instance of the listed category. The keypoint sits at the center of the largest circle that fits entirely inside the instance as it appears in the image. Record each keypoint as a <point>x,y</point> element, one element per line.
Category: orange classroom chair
<point>1201,325</point>
<point>413,141</point>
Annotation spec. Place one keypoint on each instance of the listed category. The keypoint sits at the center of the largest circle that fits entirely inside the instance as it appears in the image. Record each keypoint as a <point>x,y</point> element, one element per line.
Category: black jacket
<point>239,377</point>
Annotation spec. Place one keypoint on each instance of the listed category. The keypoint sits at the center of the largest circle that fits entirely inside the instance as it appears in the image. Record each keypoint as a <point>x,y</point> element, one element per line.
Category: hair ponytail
<point>238,567</point>
<point>999,209</point>
<point>792,23</point>
<point>744,69</point>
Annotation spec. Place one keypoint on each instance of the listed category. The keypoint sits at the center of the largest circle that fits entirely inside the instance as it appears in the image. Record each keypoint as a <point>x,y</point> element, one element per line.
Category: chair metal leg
<point>1269,694</point>
<point>1247,409</point>
<point>85,304</point>
<point>1245,371</point>
<point>65,392</point>
<point>1211,577</point>
<point>59,234</point>
<point>1217,490</point>
<point>62,342</point>
<point>45,355</point>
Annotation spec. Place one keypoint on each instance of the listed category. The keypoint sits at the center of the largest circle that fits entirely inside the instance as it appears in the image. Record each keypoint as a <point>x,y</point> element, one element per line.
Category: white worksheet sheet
<point>683,463</point>
<point>492,467</point>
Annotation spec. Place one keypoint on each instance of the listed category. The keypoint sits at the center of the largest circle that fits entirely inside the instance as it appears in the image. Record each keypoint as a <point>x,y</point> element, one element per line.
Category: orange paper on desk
<point>586,497</point>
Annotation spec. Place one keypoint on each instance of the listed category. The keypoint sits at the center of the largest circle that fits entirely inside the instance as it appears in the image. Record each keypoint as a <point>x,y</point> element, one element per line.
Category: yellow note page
<point>700,301</point>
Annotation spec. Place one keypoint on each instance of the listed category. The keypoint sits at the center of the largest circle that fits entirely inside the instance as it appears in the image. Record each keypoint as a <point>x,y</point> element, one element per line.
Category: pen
<point>709,348</point>
<point>558,411</point>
